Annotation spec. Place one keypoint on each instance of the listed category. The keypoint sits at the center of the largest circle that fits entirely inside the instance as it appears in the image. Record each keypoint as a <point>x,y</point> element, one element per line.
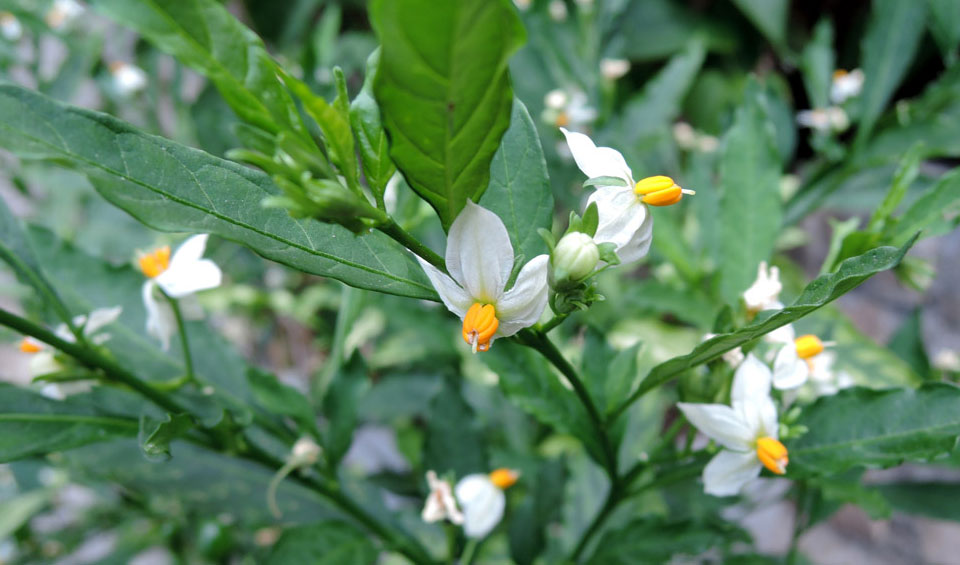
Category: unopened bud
<point>305,452</point>
<point>575,257</point>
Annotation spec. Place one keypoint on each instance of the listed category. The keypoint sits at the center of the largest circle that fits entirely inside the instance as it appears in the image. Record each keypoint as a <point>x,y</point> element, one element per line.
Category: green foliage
<point>655,541</point>
<point>371,138</point>
<point>323,543</point>
<point>155,435</point>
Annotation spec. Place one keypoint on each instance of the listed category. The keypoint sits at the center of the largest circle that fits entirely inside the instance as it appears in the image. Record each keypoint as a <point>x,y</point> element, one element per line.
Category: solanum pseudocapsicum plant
<point>529,413</point>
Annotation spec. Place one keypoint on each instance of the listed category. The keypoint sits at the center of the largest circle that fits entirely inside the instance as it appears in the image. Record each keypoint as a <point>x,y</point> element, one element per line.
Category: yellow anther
<point>659,191</point>
<point>28,345</point>
<point>772,454</point>
<point>479,325</point>
<point>808,346</point>
<point>840,73</point>
<point>504,478</point>
<point>152,264</point>
<point>563,120</point>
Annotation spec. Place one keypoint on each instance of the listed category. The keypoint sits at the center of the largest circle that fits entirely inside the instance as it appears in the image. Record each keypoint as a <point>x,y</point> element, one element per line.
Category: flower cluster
<point>844,86</point>
<point>476,502</point>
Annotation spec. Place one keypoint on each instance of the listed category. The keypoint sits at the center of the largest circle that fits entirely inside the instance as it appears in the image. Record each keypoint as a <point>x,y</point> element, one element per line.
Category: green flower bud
<point>575,257</point>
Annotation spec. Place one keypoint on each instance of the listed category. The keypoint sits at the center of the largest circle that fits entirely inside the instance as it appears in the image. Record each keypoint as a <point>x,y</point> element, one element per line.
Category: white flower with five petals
<point>845,84</point>
<point>797,360</point>
<point>183,274</point>
<point>479,258</point>
<point>625,220</point>
<point>482,499</point>
<point>747,430</point>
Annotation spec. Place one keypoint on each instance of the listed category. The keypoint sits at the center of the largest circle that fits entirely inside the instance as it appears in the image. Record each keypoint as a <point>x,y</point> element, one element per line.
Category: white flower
<point>127,79</point>
<point>479,259</point>
<point>747,430</point>
<point>612,69</point>
<point>305,452</point>
<point>522,5</point>
<point>181,275</point>
<point>558,10</point>
<point>482,500</point>
<point>796,361</point>
<point>824,119</point>
<point>63,13</point>
<point>845,85</point>
<point>10,27</point>
<point>440,504</point>
<point>570,109</point>
<point>764,293</point>
<point>625,220</point>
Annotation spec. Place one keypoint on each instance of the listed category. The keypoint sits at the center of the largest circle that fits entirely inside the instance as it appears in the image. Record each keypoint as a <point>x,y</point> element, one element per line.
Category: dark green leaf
<point>817,64</point>
<point>175,188</point>
<point>935,499</point>
<point>155,435</point>
<point>944,21</point>
<point>453,442</point>
<point>645,541</point>
<point>528,523</point>
<point>936,212</point>
<point>444,92</point>
<point>368,129</point>
<point>340,406</point>
<point>280,399</point>
<point>323,543</point>
<point>907,344</point>
<point>770,17</point>
<point>519,190</point>
<point>863,427</point>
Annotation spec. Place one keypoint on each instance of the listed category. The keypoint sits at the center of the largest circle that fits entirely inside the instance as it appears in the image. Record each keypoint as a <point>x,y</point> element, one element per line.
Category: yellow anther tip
<point>659,191</point>
<point>808,346</point>
<point>28,345</point>
<point>479,325</point>
<point>504,478</point>
<point>773,455</point>
<point>156,262</point>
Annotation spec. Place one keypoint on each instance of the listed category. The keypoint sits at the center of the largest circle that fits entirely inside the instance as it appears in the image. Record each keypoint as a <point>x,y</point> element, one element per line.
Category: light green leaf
<point>453,441</point>
<point>902,179</point>
<point>176,188</point>
<point>31,424</point>
<point>323,543</point>
<point>155,435</point>
<point>646,541</point>
<point>204,35</point>
<point>750,207</point>
<point>16,511</point>
<point>863,427</point>
<point>444,92</point>
<point>944,21</point>
<point>892,38</point>
<point>519,190</point>
<point>935,212</point>
<point>368,129</point>
<point>660,101</point>
<point>770,17</point>
<point>821,291</point>
<point>817,64</point>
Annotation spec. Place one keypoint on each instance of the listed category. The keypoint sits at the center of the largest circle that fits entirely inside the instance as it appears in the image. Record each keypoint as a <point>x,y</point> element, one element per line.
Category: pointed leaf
<point>155,435</point>
<point>371,138</point>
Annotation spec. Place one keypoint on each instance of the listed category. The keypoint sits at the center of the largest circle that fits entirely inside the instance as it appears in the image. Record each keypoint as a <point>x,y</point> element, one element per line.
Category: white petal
<point>522,305</point>
<point>482,503</point>
<point>101,317</point>
<point>789,371</point>
<point>190,278</point>
<point>454,298</point>
<point>190,250</point>
<point>728,471</point>
<point>479,254</point>
<point>160,321</point>
<point>751,381</point>
<point>720,423</point>
<point>624,221</point>
<point>596,161</point>
<point>783,334</point>
<point>440,502</point>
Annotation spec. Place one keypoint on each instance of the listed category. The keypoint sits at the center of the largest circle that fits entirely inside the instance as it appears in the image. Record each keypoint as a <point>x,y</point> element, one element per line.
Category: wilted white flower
<point>747,430</point>
<point>127,79</point>
<point>10,27</point>
<point>482,500</point>
<point>63,13</point>
<point>440,504</point>
<point>845,85</point>
<point>612,69</point>
<point>824,119</point>
<point>764,293</point>
<point>181,275</point>
<point>796,361</point>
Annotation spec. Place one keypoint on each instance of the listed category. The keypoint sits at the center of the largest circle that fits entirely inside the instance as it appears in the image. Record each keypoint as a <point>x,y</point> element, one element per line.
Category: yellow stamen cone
<point>773,455</point>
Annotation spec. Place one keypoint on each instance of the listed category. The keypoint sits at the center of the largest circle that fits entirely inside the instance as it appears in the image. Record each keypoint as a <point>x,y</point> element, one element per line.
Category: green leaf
<point>821,291</point>
<point>519,190</point>
<point>936,500</point>
<point>529,522</point>
<point>368,129</point>
<point>444,92</point>
<point>609,374</point>
<point>155,435</point>
<point>876,428</point>
<point>323,543</point>
<point>944,21</point>
<point>17,510</point>
<point>889,45</point>
<point>454,442</point>
<point>817,64</point>
<point>31,425</point>
<point>770,17</point>
<point>750,207</point>
<point>176,188</point>
<point>936,212</point>
<point>280,399</point>
<point>202,34</point>
<point>902,179</point>
<point>340,406</point>
<point>648,541</point>
<point>907,344</point>
<point>660,101</point>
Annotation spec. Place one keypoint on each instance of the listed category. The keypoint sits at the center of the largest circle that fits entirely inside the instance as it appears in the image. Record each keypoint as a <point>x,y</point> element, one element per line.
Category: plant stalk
<point>403,237</point>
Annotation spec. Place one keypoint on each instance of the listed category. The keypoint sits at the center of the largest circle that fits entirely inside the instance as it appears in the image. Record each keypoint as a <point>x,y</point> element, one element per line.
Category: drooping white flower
<point>63,13</point>
<point>482,500</point>
<point>127,79</point>
<point>612,69</point>
<point>764,293</point>
<point>479,258</point>
<point>625,220</point>
<point>181,275</point>
<point>440,504</point>
<point>568,108</point>
<point>732,357</point>
<point>796,360</point>
<point>845,85</point>
<point>824,119</point>
<point>747,430</point>
<point>10,27</point>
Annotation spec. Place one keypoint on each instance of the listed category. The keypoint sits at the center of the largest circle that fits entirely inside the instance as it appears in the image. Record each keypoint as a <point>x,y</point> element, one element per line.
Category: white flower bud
<point>575,257</point>
<point>305,452</point>
<point>558,10</point>
<point>612,69</point>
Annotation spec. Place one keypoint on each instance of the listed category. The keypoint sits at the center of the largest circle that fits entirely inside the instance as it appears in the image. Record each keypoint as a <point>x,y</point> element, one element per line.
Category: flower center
<point>772,454</point>
<point>504,478</point>
<point>152,264</point>
<point>659,191</point>
<point>839,74</point>
<point>479,325</point>
<point>808,346</point>
<point>28,345</point>
<point>563,120</point>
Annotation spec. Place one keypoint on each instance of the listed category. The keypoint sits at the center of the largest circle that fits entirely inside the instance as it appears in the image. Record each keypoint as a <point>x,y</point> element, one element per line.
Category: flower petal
<point>751,381</point>
<point>160,321</point>
<point>789,370</point>
<point>188,278</point>
<point>522,305</point>
<point>596,161</point>
<point>454,298</point>
<point>783,334</point>
<point>482,503</point>
<point>479,254</point>
<point>720,423</point>
<point>101,317</point>
<point>728,471</point>
<point>624,221</point>
<point>191,250</point>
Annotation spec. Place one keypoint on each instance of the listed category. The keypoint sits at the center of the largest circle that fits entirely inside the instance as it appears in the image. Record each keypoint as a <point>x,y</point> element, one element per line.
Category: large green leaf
<point>175,188</point>
<point>935,500</point>
<point>863,427</point>
<point>892,38</point>
<point>349,385</point>
<point>646,541</point>
<point>935,212</point>
<point>323,543</point>
<point>945,26</point>
<point>453,441</point>
<point>519,190</point>
<point>750,208</point>
<point>821,291</point>
<point>770,17</point>
<point>204,35</point>
<point>444,92</point>
<point>31,424</point>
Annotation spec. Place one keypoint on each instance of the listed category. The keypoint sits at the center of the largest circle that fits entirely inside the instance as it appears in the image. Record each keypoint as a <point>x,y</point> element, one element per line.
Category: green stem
<point>553,322</point>
<point>350,302</point>
<point>182,331</point>
<point>469,551</point>
<point>536,339</point>
<point>609,505</point>
<point>401,236</point>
